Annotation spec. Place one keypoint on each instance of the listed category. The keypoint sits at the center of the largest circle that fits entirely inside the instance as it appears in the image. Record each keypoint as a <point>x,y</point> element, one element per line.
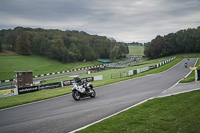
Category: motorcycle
<point>82,89</point>
<point>185,65</point>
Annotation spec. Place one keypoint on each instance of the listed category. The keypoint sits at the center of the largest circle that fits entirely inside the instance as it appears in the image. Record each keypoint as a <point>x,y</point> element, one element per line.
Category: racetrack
<point>64,114</point>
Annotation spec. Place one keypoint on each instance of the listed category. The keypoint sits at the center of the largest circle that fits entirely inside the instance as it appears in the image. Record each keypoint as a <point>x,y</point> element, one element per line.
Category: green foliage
<point>0,46</point>
<point>63,46</point>
<point>23,44</point>
<point>183,41</point>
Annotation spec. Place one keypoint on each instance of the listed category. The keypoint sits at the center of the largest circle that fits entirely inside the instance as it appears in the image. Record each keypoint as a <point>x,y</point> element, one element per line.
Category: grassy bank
<point>39,65</point>
<point>174,114</point>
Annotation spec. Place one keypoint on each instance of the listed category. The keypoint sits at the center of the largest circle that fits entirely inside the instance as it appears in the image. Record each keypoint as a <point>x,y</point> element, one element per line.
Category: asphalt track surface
<point>63,114</point>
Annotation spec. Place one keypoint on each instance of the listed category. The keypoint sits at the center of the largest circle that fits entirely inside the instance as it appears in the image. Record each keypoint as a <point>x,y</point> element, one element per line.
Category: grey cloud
<point>127,20</point>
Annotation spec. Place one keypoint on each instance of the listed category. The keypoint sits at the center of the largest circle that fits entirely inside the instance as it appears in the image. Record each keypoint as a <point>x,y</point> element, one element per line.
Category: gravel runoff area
<point>181,88</point>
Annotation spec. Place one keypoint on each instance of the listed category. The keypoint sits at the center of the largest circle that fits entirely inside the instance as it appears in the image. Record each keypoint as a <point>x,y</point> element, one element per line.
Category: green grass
<point>136,50</point>
<point>39,65</point>
<point>190,78</point>
<point>174,114</point>
<point>11,101</point>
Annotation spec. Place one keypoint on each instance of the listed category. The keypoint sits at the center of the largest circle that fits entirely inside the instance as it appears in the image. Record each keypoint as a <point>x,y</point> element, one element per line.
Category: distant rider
<point>186,65</point>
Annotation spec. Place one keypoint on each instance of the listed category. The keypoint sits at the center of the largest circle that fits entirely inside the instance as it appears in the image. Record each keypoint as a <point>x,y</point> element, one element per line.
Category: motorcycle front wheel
<point>76,95</point>
<point>92,93</point>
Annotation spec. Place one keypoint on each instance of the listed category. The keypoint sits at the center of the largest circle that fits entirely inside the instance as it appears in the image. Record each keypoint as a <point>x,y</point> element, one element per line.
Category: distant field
<point>136,50</point>
<point>40,65</point>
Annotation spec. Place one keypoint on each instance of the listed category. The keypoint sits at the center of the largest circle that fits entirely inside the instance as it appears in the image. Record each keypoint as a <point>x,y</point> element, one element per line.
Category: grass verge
<point>11,101</point>
<point>174,114</point>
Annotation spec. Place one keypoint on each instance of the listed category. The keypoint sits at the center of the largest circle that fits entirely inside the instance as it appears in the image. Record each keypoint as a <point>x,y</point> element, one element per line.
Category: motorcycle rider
<point>80,82</point>
<point>186,65</point>
<point>77,80</point>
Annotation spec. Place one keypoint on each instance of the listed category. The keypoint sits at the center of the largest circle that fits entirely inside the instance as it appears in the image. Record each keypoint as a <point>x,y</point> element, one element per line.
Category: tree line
<point>63,46</point>
<point>183,41</point>
<point>135,44</point>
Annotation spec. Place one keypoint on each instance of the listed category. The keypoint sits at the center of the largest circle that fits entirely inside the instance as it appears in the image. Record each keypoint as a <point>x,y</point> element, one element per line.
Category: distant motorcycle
<point>82,89</point>
<point>185,65</point>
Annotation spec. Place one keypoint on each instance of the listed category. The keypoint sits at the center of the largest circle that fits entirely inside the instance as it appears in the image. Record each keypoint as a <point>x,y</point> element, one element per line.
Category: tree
<point>183,41</point>
<point>122,49</point>
<point>114,52</point>
<point>155,47</point>
<point>74,53</point>
<point>23,43</point>
<point>197,48</point>
<point>0,44</point>
<point>63,46</point>
<point>169,45</point>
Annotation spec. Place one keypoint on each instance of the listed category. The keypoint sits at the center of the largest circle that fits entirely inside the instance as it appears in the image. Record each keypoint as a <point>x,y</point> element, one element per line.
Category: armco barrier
<point>50,86</point>
<point>42,75</point>
<point>15,91</point>
<point>70,82</point>
<point>133,72</point>
<point>8,92</point>
<point>27,89</point>
<point>72,70</point>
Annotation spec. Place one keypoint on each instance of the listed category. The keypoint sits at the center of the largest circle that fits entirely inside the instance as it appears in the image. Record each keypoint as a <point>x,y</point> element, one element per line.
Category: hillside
<point>40,65</point>
<point>136,50</point>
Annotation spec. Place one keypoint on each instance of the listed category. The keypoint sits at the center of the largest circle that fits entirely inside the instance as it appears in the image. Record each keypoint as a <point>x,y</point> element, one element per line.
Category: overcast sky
<point>124,20</point>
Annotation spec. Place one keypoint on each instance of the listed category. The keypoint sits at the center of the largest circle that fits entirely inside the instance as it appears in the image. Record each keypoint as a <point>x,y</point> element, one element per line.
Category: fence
<point>42,75</point>
<point>17,91</point>
<point>133,72</point>
<point>126,63</point>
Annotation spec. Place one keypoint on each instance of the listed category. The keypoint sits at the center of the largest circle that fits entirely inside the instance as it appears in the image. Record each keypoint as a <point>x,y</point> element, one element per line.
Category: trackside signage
<point>89,79</point>
<point>9,92</point>
<point>70,82</point>
<point>27,89</point>
<point>50,86</point>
